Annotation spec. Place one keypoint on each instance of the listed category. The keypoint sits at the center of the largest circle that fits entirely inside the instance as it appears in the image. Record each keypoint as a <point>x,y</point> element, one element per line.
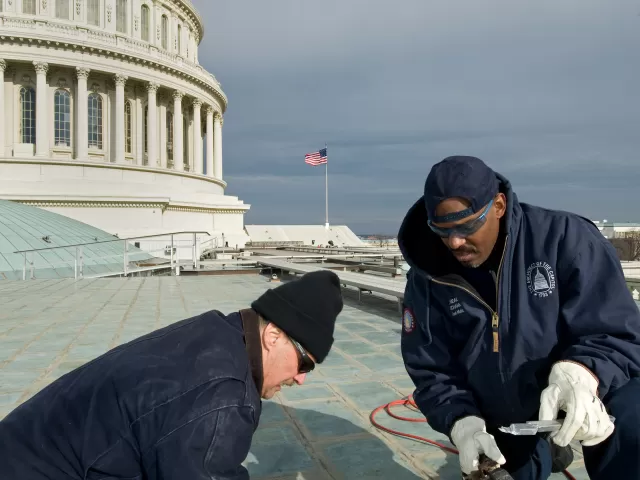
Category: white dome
<point>109,117</point>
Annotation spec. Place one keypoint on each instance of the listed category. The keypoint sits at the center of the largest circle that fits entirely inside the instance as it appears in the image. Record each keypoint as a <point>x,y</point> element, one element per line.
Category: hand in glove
<point>470,435</point>
<point>574,389</point>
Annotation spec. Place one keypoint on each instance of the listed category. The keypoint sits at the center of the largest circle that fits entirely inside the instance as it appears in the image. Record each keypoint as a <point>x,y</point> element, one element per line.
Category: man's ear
<point>501,205</point>
<point>270,336</point>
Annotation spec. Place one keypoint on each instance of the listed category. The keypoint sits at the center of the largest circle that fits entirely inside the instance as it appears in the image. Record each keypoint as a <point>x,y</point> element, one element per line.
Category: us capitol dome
<point>109,119</point>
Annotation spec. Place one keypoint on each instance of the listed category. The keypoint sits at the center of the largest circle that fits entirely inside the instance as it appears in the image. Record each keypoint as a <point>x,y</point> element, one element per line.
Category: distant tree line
<point>627,244</point>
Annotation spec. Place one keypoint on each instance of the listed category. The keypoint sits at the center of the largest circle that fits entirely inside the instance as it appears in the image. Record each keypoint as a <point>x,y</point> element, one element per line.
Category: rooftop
<point>318,431</point>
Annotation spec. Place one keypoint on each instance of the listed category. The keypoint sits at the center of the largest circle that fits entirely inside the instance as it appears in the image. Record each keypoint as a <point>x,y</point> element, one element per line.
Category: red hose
<point>409,403</point>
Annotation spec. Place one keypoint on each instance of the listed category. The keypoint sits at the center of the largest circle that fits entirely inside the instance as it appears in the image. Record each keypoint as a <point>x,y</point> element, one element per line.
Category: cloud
<point>545,92</point>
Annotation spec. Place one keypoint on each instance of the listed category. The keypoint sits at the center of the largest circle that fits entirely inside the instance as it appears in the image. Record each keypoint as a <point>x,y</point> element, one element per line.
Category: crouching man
<point>179,403</point>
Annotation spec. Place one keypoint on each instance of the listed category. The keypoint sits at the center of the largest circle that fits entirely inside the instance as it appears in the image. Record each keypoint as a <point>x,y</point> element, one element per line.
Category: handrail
<point>117,239</point>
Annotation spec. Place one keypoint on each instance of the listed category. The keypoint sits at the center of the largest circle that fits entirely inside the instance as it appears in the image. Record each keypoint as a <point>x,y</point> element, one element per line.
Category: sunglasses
<point>464,229</point>
<point>306,364</point>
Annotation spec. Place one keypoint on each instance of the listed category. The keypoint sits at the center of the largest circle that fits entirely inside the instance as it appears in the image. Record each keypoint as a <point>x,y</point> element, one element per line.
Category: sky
<point>547,93</point>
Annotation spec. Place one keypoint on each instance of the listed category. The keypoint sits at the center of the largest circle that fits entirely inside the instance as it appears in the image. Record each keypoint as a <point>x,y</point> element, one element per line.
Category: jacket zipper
<point>495,319</point>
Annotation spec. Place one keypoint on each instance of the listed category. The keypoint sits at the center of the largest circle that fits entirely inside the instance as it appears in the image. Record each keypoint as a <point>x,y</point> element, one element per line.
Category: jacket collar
<point>251,327</point>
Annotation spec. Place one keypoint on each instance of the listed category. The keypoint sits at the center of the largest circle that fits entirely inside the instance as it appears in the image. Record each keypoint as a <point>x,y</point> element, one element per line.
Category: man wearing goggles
<point>179,403</point>
<point>515,313</point>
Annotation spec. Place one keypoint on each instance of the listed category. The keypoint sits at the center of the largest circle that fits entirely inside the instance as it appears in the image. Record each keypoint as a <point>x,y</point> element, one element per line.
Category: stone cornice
<point>117,166</point>
<point>115,204</point>
<point>242,209</point>
<point>202,78</point>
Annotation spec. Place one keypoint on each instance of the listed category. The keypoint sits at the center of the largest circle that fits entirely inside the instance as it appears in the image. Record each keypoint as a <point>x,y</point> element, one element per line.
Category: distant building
<point>614,229</point>
<point>108,117</point>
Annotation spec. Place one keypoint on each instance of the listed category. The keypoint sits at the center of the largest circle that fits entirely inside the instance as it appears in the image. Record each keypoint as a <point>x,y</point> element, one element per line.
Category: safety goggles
<point>462,230</point>
<point>306,364</point>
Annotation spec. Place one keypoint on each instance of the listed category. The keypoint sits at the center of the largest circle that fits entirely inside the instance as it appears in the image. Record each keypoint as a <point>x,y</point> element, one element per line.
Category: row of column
<point>213,126</point>
<point>3,67</point>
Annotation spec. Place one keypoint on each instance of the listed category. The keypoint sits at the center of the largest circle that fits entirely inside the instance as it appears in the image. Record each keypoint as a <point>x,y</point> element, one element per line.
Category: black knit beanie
<point>305,309</point>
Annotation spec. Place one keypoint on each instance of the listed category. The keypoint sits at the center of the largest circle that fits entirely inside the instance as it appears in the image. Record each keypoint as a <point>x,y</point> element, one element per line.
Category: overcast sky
<point>547,92</point>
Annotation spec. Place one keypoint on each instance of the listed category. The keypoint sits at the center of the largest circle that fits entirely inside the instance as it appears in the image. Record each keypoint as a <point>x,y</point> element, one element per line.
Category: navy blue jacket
<point>179,403</point>
<point>561,295</point>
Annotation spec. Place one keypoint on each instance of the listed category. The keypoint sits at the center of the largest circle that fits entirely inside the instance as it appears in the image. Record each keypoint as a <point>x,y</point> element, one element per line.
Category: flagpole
<point>326,189</point>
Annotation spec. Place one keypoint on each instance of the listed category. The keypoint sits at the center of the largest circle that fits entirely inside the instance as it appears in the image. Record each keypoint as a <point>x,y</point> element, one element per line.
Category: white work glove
<point>470,435</point>
<point>574,389</point>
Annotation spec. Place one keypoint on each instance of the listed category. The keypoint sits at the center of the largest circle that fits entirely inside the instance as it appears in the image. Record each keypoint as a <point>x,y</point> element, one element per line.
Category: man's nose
<point>299,379</point>
<point>456,242</point>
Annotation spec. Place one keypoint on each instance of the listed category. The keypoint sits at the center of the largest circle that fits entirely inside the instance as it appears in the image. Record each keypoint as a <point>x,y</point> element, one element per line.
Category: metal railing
<point>108,260</point>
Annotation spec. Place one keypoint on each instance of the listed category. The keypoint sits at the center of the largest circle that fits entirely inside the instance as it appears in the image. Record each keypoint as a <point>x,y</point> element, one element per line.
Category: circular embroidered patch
<point>408,322</point>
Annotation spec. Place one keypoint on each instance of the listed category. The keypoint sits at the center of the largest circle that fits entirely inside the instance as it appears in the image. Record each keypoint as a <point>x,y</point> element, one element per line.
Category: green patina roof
<point>23,227</point>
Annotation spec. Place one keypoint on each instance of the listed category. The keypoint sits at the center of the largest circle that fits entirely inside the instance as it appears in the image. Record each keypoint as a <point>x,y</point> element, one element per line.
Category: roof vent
<point>47,239</point>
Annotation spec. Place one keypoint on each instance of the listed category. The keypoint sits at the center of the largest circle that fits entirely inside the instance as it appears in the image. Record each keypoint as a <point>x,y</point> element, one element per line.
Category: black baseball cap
<point>459,176</point>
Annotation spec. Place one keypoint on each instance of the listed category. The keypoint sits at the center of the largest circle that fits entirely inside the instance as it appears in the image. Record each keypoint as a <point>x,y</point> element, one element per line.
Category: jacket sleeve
<point>602,319</point>
<point>441,393</point>
<point>210,447</point>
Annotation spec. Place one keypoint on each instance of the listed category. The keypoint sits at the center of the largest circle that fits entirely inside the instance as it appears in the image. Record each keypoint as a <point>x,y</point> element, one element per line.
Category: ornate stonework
<point>82,72</point>
<point>120,79</point>
<point>41,67</point>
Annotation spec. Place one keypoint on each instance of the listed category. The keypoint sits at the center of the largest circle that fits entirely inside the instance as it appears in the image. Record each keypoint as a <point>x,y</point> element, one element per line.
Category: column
<point>178,161</point>
<point>82,100</point>
<point>217,145</point>
<point>162,124</point>
<point>152,126</point>
<point>210,142</point>
<point>42,136</point>
<point>138,140</point>
<point>3,67</point>
<point>197,137</point>
<point>120,81</point>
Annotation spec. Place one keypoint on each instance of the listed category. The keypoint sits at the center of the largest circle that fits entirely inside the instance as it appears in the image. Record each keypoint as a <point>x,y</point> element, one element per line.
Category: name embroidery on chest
<point>455,307</point>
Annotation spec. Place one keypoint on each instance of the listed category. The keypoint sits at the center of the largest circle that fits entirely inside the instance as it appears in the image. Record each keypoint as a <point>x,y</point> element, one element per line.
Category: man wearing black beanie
<point>181,402</point>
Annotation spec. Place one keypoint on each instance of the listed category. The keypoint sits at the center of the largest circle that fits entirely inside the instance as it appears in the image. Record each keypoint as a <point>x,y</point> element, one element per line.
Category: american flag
<point>316,158</point>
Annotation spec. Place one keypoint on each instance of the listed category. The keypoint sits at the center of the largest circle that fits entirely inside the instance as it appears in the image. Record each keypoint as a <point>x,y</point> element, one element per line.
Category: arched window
<point>144,19</point>
<point>165,31</point>
<point>121,16</point>
<point>185,143</point>
<point>179,40</point>
<point>29,7</point>
<point>62,9</point>
<point>170,136</point>
<point>146,129</point>
<point>27,115</point>
<point>95,120</point>
<point>93,12</point>
<point>127,127</point>
<point>62,118</point>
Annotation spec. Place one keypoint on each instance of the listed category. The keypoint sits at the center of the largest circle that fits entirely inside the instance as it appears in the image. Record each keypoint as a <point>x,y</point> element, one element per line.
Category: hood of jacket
<point>423,250</point>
